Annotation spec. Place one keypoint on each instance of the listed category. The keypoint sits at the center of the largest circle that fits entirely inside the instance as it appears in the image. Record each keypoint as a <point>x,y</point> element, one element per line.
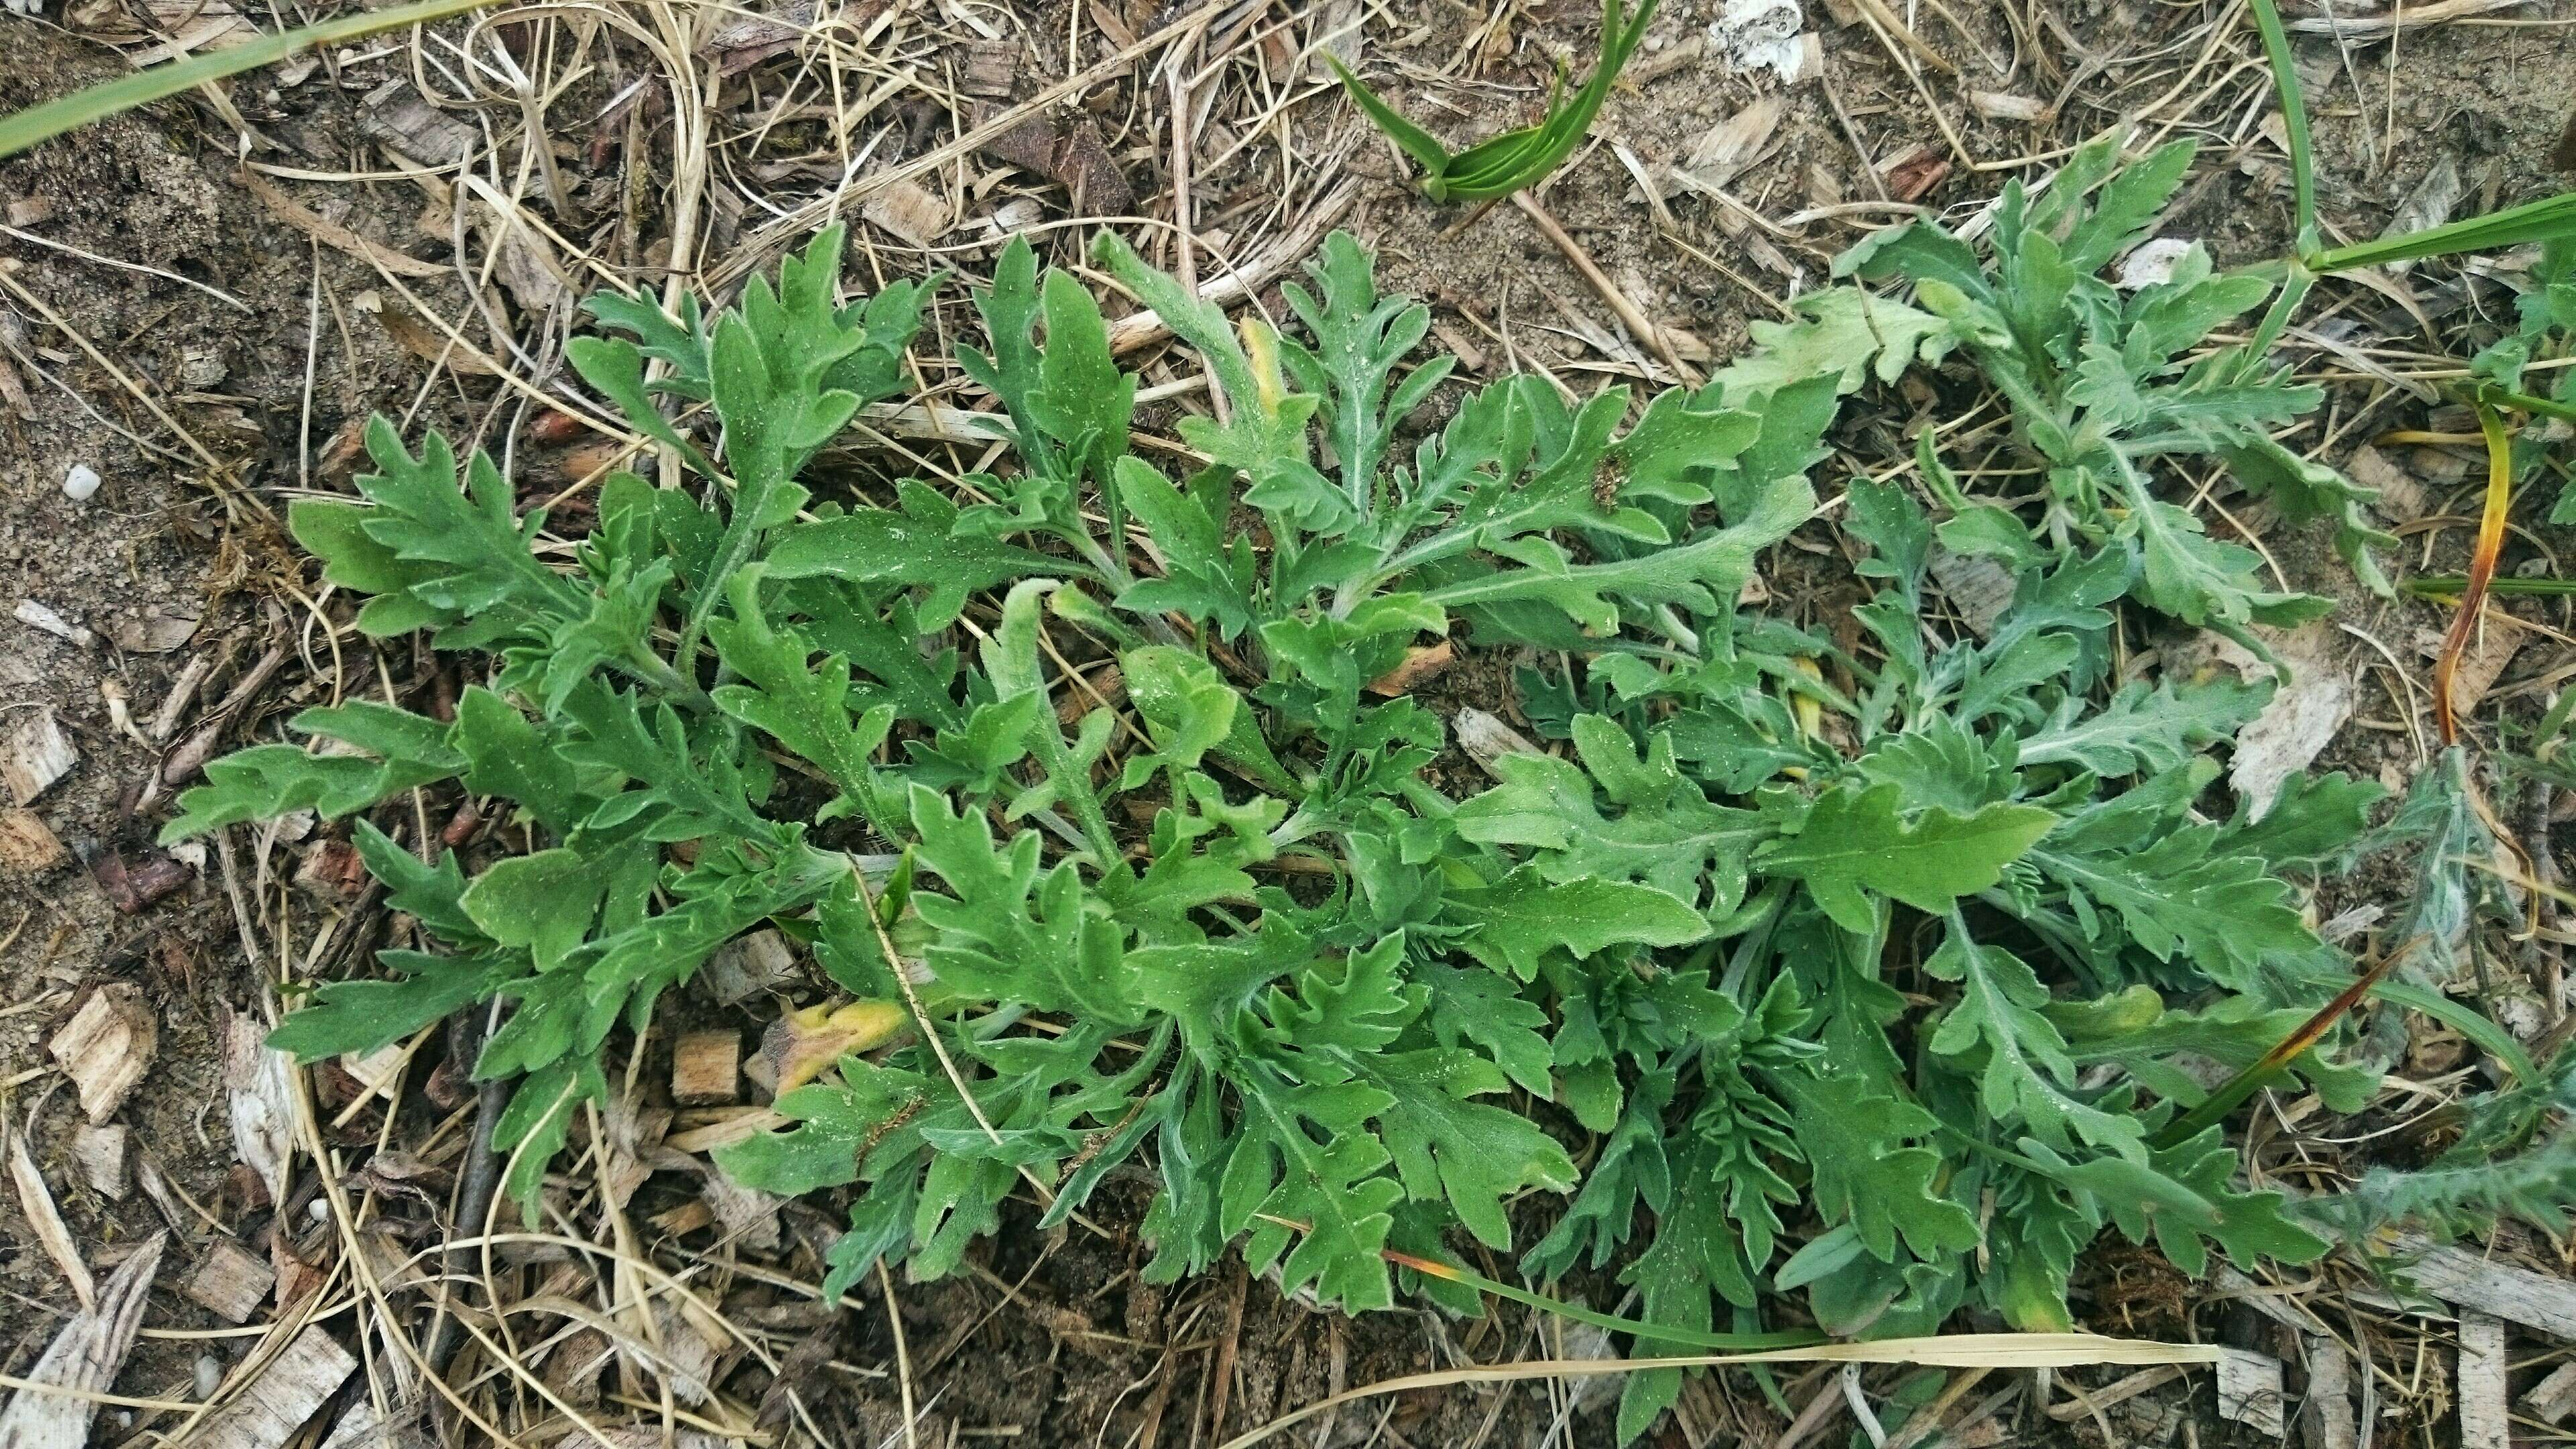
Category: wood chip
<point>1910,176</point>
<point>990,67</point>
<point>2328,1420</point>
<point>1487,739</point>
<point>2249,1390</point>
<point>37,754</point>
<point>31,211</point>
<point>37,615</point>
<point>744,968</point>
<point>908,212</point>
<point>1070,153</point>
<point>747,1216</point>
<point>741,40</point>
<point>1977,586</point>
<point>1341,32</point>
<point>690,1349</point>
<point>28,844</point>
<point>259,1097</point>
<point>84,1358</point>
<point>685,1219</point>
<point>732,1125</point>
<point>1729,147</point>
<point>2554,1398</point>
<point>102,1153</point>
<point>2429,205</point>
<point>2483,1416</point>
<point>1753,36</point>
<point>1103,685</point>
<point>106,1047</point>
<point>2006,106</point>
<point>362,1426</point>
<point>706,1068</point>
<point>156,630</point>
<point>2490,650</point>
<point>46,1221</point>
<point>1471,358</point>
<point>132,888</point>
<point>2517,1295</point>
<point>433,346</point>
<point>274,1405</point>
<point>230,1280</point>
<point>573,1366</point>
<point>2296,726</point>
<point>2442,467</point>
<point>395,116</point>
<point>2401,498</point>
<point>195,25</point>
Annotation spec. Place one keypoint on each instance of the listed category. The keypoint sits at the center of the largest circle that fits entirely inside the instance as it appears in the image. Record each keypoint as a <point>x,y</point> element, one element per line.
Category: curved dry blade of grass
<point>2274,1064</point>
<point>98,102</point>
<point>2482,565</point>
<point>1962,1350</point>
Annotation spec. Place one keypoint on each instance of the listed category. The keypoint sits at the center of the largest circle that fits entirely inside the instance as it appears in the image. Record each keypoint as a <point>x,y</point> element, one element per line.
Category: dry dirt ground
<point>203,336</point>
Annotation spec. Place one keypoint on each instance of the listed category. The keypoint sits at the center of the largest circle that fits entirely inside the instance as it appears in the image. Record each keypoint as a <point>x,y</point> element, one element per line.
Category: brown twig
<point>467,1030</point>
<point>1634,320</point>
<point>192,754</point>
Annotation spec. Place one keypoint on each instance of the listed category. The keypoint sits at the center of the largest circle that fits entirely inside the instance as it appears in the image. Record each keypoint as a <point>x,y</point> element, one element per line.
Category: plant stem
<point>2294,123</point>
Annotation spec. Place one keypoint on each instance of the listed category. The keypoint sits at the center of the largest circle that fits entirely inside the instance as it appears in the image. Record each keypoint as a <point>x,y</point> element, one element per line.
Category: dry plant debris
<point>106,1047</point>
<point>83,1358</point>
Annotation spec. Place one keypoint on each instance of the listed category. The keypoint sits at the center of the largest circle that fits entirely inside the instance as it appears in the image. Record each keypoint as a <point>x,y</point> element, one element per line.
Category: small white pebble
<point>210,1376</point>
<point>80,482</point>
<point>319,1210</point>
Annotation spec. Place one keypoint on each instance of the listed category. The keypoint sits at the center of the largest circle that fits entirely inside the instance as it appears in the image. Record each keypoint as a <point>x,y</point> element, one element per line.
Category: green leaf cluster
<point>1864,968</point>
<point>2107,385</point>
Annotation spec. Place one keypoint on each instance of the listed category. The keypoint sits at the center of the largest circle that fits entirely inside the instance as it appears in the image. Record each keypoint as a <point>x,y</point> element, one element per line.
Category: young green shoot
<point>1498,167</point>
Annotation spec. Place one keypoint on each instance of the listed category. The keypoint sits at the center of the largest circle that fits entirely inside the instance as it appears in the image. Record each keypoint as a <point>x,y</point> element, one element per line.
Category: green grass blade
<point>2294,122</point>
<point>2449,587</point>
<point>1477,177</point>
<point>2539,407</point>
<point>98,102</point>
<point>1506,163</point>
<point>2549,219</point>
<point>1415,142</point>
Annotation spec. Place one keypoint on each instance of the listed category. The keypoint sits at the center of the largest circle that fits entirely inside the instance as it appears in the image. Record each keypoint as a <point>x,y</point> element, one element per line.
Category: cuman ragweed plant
<point>1880,966</point>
